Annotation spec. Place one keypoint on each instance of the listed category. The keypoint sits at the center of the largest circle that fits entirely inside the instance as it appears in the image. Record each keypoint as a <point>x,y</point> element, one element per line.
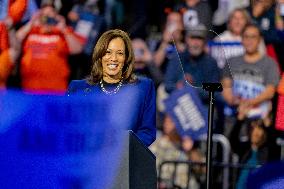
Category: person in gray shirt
<point>250,80</point>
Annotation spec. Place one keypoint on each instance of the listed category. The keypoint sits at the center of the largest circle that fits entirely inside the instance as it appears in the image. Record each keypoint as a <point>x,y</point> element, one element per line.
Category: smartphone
<point>50,21</point>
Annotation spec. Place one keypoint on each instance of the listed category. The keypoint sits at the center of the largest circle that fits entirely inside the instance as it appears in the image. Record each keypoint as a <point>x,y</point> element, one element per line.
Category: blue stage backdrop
<point>58,142</point>
<point>188,113</point>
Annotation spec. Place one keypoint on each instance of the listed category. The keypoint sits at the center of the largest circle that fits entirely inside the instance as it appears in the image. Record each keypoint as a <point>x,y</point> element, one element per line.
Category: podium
<point>138,166</point>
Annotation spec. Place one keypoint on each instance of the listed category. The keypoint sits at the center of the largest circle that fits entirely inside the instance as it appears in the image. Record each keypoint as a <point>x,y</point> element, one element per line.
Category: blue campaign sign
<point>187,112</point>
<point>222,51</point>
<point>57,142</point>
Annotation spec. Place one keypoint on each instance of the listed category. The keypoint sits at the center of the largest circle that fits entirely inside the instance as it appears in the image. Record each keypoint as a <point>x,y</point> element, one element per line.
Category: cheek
<point>104,62</point>
<point>122,61</point>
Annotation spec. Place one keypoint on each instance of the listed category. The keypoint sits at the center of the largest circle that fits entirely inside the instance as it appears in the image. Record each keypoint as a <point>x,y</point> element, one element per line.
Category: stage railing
<point>226,155</point>
<point>191,165</point>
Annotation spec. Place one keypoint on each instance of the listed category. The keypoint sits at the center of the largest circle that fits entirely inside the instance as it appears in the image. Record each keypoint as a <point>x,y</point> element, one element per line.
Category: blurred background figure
<point>46,42</point>
<point>225,8</point>
<point>228,44</point>
<point>12,11</point>
<point>172,41</point>
<point>250,80</point>
<point>9,52</point>
<point>144,64</point>
<point>253,153</point>
<point>171,146</point>
<point>280,30</point>
<point>195,12</point>
<point>88,23</point>
<point>263,15</point>
<point>197,65</point>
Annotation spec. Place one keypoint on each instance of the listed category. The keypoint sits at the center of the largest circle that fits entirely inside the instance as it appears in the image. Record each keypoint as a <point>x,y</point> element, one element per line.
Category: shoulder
<point>145,84</point>
<point>267,60</point>
<point>236,59</point>
<point>209,60</point>
<point>270,63</point>
<point>144,81</point>
<point>77,86</point>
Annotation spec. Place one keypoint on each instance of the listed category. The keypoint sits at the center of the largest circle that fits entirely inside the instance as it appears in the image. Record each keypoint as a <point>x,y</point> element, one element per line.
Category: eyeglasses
<point>250,36</point>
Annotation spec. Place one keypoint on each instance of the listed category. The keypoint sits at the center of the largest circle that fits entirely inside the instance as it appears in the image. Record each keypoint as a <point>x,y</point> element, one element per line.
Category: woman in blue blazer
<point>112,76</point>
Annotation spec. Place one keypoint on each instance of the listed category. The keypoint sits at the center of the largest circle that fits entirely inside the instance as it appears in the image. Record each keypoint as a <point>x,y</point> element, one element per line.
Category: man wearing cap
<point>194,64</point>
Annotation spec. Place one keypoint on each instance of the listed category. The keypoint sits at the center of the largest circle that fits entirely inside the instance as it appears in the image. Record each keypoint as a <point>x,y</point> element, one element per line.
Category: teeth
<point>112,66</point>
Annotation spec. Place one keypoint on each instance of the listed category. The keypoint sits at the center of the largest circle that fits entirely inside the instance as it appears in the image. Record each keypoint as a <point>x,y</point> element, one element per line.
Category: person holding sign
<point>250,81</point>
<point>112,77</point>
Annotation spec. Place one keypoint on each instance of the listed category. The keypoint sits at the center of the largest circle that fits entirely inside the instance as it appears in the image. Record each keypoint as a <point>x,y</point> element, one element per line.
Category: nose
<point>113,56</point>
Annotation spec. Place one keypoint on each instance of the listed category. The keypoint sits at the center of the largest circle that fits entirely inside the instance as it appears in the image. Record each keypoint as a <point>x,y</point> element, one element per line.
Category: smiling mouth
<point>112,66</point>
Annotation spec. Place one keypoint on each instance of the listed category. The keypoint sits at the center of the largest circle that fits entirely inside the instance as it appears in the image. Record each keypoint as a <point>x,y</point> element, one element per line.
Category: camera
<point>50,21</point>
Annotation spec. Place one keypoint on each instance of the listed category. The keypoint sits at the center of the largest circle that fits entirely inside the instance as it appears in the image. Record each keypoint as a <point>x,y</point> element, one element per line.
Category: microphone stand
<point>211,88</point>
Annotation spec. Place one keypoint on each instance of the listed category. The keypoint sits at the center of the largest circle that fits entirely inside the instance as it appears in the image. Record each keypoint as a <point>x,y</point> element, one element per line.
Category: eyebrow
<point>113,50</point>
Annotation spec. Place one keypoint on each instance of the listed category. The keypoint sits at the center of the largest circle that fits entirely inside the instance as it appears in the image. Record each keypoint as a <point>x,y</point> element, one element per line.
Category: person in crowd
<point>228,44</point>
<point>263,15</point>
<point>279,22</point>
<point>88,23</point>
<point>280,16</point>
<point>112,75</point>
<point>237,21</point>
<point>195,12</point>
<point>255,154</point>
<point>171,146</point>
<point>225,8</point>
<point>46,44</point>
<point>9,52</point>
<point>250,80</point>
<point>144,64</point>
<point>168,147</point>
<point>172,41</point>
<point>194,65</point>
<point>12,11</point>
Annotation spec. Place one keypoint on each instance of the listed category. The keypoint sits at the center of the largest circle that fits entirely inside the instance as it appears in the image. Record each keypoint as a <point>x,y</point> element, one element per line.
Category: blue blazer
<point>135,105</point>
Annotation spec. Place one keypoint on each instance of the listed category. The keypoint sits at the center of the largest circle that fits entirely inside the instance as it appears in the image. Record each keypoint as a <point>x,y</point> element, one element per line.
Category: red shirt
<point>44,65</point>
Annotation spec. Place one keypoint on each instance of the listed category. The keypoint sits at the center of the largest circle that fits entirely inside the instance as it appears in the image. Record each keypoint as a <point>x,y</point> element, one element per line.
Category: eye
<point>121,53</point>
<point>108,52</point>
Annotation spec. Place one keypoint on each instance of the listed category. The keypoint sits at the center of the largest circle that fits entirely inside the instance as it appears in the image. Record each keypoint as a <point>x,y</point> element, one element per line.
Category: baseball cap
<point>198,31</point>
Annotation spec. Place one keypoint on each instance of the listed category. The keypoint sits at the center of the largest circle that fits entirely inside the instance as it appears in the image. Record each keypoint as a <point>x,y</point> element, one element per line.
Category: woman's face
<point>257,136</point>
<point>114,59</point>
<point>237,22</point>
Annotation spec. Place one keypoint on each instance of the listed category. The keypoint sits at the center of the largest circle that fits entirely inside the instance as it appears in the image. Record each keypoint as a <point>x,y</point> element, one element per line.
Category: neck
<point>110,79</point>
<point>253,57</point>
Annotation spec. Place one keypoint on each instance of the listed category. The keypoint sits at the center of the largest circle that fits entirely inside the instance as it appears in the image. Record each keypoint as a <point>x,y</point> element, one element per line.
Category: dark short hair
<point>100,50</point>
<point>251,25</point>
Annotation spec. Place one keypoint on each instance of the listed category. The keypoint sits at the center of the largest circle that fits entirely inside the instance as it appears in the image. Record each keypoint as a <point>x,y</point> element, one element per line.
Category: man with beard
<point>194,65</point>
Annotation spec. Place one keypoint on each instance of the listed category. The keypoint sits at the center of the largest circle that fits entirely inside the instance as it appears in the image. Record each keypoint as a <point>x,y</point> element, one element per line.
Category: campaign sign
<point>248,90</point>
<point>188,113</point>
<point>57,142</point>
<point>222,51</point>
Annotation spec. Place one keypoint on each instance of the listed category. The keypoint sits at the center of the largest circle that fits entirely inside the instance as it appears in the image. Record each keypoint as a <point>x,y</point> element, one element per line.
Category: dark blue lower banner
<point>269,176</point>
<point>57,142</point>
